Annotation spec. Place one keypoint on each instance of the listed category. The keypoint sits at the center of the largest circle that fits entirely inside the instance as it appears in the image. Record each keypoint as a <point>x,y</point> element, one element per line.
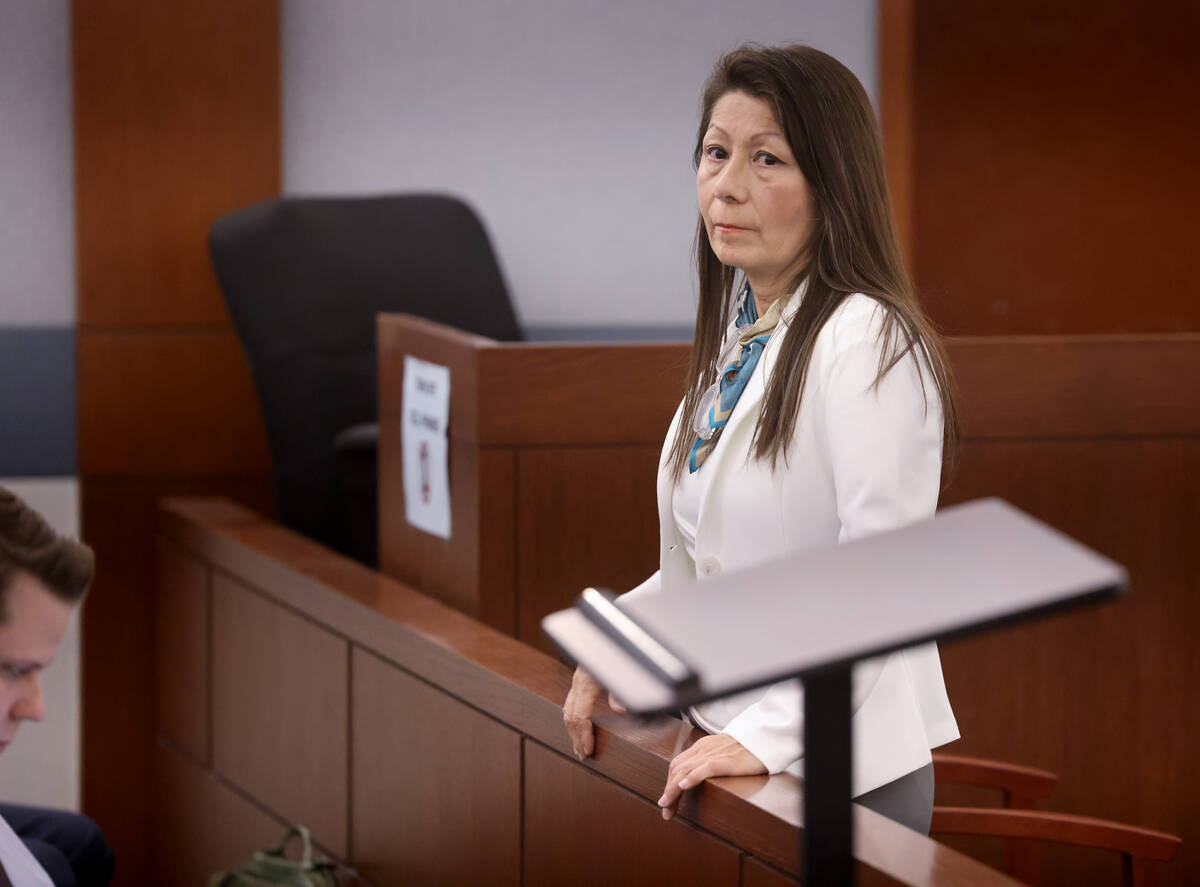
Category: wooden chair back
<point>1141,849</point>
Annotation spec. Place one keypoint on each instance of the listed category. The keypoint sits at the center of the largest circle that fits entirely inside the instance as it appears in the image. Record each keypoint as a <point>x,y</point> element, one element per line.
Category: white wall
<point>37,189</point>
<point>568,126</point>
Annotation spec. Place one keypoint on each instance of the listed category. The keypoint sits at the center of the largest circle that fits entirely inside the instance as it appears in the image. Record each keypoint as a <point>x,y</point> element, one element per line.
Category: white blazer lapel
<point>672,556</point>
<point>747,408</point>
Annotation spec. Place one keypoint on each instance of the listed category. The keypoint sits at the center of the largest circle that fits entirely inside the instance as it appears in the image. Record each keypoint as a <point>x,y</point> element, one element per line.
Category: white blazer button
<point>710,566</point>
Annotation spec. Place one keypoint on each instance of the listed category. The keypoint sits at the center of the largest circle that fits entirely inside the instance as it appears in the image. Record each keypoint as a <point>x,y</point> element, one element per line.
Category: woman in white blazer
<point>818,408</point>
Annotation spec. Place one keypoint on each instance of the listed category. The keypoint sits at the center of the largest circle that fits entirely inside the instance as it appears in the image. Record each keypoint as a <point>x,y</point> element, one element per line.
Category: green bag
<point>270,868</point>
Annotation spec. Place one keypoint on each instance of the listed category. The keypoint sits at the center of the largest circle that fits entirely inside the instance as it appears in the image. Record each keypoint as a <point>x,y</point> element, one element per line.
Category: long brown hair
<point>831,129</point>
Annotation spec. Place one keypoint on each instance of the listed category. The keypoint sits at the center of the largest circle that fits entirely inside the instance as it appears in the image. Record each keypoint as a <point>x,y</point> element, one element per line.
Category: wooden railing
<point>553,451</point>
<point>423,747</point>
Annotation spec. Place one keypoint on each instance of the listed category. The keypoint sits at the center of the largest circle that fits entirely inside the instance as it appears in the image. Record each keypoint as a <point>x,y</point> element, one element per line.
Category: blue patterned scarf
<point>718,402</point>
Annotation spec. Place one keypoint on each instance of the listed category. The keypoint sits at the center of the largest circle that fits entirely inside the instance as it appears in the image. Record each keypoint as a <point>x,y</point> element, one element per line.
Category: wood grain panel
<point>118,521</point>
<point>1097,435</point>
<point>553,394</point>
<point>473,570</point>
<point>436,785</point>
<point>497,604</point>
<point>1073,702</point>
<point>181,652</point>
<point>402,335</point>
<point>281,710</point>
<point>1077,386</point>
<point>169,404</point>
<point>201,826</point>
<point>489,671</point>
<point>176,121</point>
<point>756,874</point>
<point>508,399</point>
<point>1168,635</point>
<point>1055,156</point>
<point>581,829</point>
<point>896,112</point>
<point>524,689</point>
<point>888,854</point>
<point>519,393</point>
<point>585,517</point>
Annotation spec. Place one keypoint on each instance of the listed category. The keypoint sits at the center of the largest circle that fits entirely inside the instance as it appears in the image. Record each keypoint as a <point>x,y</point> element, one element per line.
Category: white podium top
<point>971,567</point>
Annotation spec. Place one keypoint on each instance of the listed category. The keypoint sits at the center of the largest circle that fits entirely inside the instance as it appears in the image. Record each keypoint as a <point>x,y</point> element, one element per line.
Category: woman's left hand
<point>716,755</point>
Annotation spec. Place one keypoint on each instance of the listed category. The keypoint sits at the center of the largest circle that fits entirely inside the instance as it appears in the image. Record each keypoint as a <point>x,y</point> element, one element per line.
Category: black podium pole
<point>827,842</point>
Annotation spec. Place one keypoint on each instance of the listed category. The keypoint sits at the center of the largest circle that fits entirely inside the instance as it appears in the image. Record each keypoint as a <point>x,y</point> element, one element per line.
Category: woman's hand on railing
<point>716,755</point>
<point>577,712</point>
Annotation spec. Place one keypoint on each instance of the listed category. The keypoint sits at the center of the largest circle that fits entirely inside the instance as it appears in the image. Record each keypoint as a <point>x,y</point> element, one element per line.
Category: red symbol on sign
<point>426,487</point>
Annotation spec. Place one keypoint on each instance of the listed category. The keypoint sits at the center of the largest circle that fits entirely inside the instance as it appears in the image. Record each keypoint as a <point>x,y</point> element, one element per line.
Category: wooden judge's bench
<point>411,718</point>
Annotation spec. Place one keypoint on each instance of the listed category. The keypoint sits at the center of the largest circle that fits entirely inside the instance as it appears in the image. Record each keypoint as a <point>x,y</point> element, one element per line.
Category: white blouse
<point>685,505</point>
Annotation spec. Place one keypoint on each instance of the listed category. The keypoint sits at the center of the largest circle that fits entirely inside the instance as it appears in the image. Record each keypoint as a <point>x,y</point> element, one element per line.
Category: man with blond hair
<point>43,576</point>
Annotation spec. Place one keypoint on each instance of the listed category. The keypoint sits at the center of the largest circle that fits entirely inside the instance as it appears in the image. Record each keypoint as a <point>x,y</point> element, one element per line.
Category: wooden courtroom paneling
<point>509,401</point>
<point>176,120</point>
<point>487,670</point>
<point>473,570</point>
<point>1049,695</point>
<point>1020,387</point>
<point>118,520</point>
<point>1097,696</point>
<point>1169,654</point>
<point>551,400</point>
<point>1020,114</point>
<point>924,864</point>
<point>538,394</point>
<point>895,112</point>
<point>493,676</point>
<point>201,825</point>
<point>436,784</point>
<point>581,829</point>
<point>181,648</point>
<point>281,709</point>
<point>756,874</point>
<point>167,403</point>
<point>1055,177</point>
<point>1099,437</point>
<point>586,516</point>
<point>1073,429</point>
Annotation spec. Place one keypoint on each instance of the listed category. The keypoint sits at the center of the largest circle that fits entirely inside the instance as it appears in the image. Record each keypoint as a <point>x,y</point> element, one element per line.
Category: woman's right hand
<point>577,712</point>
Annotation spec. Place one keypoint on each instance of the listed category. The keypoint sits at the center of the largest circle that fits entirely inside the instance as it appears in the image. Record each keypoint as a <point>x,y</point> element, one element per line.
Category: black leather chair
<point>304,279</point>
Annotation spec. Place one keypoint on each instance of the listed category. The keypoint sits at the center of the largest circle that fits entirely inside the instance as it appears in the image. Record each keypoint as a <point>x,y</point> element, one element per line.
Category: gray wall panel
<point>37,401</point>
<point>37,209</point>
<point>591,333</point>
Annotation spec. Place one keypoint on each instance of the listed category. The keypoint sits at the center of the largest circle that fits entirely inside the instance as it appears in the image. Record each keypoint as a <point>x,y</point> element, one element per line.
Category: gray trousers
<point>908,800</point>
